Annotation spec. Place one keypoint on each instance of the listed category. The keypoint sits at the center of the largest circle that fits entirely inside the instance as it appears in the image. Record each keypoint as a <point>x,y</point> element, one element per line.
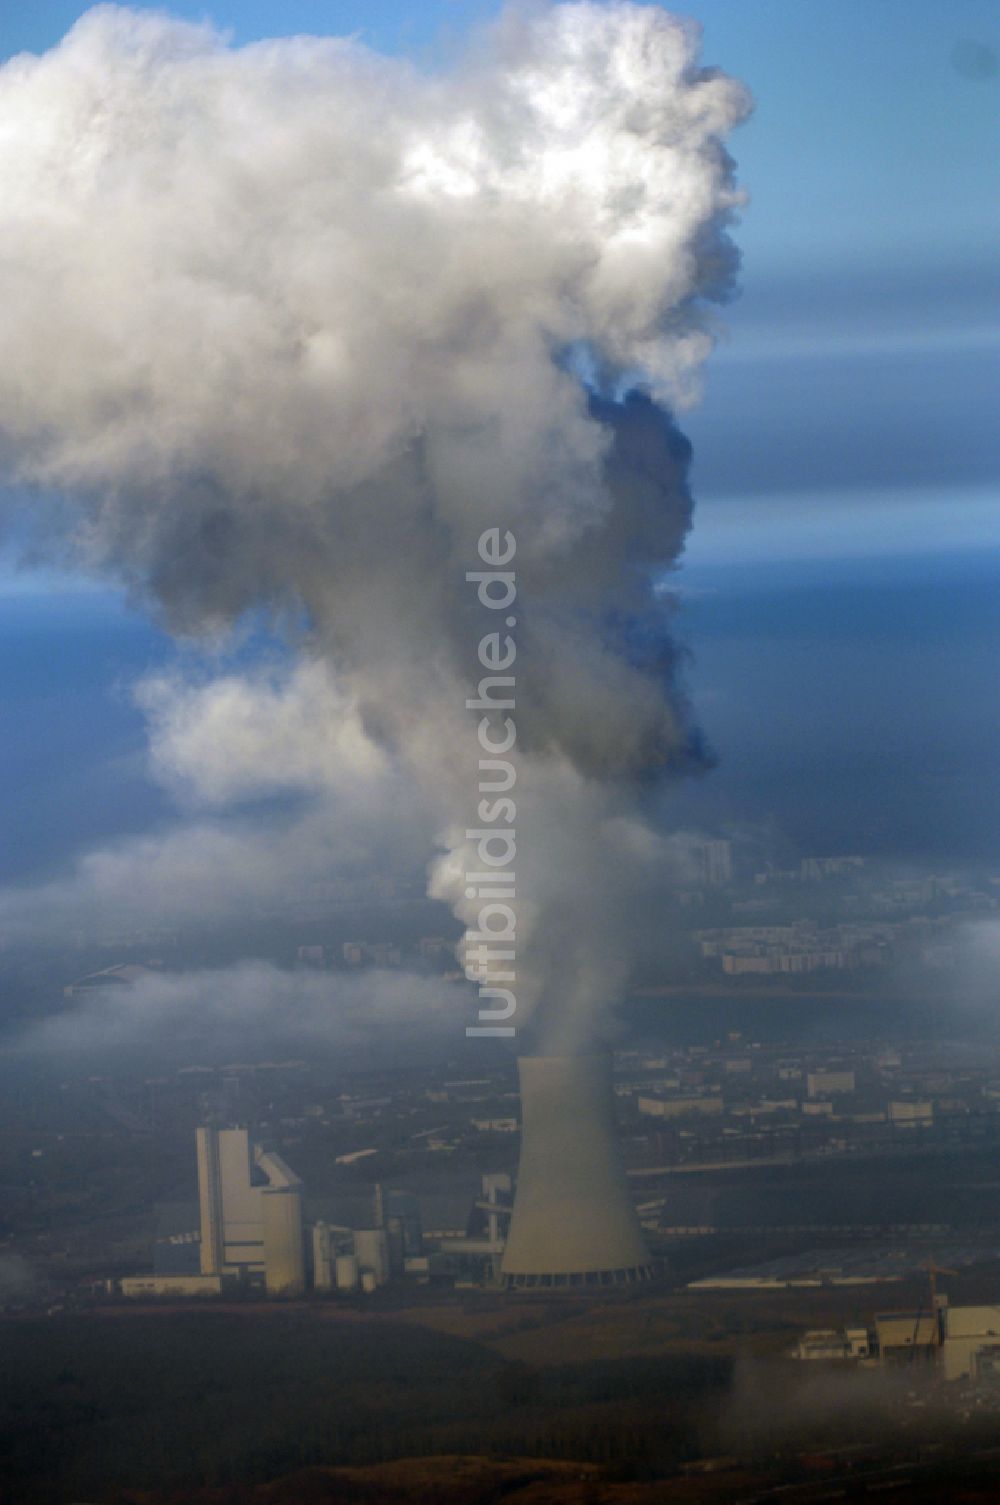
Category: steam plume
<point>292,325</point>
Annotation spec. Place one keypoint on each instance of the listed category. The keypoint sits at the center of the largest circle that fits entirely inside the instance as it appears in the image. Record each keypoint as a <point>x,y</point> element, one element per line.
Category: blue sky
<point>847,454</point>
<point>875,138</point>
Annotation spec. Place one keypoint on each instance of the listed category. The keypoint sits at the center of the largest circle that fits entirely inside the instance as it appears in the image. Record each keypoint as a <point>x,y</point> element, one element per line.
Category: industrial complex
<point>572,1224</point>
<point>962,1342</point>
<point>253,1233</point>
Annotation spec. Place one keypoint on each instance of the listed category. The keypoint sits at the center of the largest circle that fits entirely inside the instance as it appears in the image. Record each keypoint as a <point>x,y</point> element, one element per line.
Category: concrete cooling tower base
<point>573,1223</point>
<point>580,1279</point>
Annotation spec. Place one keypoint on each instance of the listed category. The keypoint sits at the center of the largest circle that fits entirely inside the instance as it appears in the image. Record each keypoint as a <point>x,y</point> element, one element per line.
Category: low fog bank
<point>251,1008</point>
<point>19,1281</point>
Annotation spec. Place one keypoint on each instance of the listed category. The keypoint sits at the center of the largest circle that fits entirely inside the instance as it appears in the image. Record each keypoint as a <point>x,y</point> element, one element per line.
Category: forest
<point>97,1407</point>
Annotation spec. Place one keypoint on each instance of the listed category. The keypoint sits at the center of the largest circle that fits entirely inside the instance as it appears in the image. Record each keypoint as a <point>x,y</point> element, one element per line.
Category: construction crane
<point>933,1271</point>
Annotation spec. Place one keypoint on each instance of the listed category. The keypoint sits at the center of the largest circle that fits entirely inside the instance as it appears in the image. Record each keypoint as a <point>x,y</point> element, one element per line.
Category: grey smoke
<point>290,325</point>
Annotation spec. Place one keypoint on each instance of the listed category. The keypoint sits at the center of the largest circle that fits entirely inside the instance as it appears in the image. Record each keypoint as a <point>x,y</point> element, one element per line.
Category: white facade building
<point>251,1211</point>
<point>371,1250</point>
<point>829,1083</point>
<point>969,1333</point>
<point>139,1286</point>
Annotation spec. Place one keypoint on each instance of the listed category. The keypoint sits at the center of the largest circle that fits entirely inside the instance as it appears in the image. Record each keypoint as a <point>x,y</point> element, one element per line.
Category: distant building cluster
<point>738,1104</point>
<point>798,948</point>
<point>358,953</point>
<point>374,953</point>
<point>963,1342</point>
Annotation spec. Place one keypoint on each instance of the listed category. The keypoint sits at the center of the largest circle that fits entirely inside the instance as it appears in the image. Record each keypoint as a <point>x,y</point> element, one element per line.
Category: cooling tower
<point>573,1222</point>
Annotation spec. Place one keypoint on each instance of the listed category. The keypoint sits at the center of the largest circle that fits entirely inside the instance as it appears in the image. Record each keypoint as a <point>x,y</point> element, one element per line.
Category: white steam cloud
<point>259,1002</point>
<point>241,737</point>
<point>293,324</point>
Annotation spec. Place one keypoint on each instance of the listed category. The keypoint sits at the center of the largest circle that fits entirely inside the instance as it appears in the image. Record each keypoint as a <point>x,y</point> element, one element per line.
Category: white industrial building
<point>827,1344</point>
<point>962,1341</point>
<point>138,1286</point>
<point>251,1211</point>
<point>829,1083</point>
<point>971,1341</point>
<point>681,1107</point>
<point>910,1113</point>
<point>345,1258</point>
<point>371,1251</point>
<point>348,1259</point>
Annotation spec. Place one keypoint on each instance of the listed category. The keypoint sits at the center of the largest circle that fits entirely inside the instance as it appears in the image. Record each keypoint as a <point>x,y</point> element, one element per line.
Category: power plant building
<point>573,1222</point>
<point>251,1211</point>
<point>346,1272</point>
<point>281,1204</point>
<point>371,1250</point>
<point>971,1342</point>
<point>324,1257</point>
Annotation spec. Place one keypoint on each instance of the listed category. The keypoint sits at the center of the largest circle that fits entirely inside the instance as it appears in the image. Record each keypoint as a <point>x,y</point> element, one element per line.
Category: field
<point>636,1398</point>
<point>90,1407</point>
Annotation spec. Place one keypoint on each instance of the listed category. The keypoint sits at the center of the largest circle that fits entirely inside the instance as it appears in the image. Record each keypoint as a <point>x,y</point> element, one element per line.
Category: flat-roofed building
<point>138,1286</point>
<point>681,1107</point>
<point>829,1083</point>
<point>907,1337</point>
<point>911,1113</point>
<point>970,1333</point>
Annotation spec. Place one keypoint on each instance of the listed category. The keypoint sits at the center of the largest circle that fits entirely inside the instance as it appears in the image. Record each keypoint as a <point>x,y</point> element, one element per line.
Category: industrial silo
<point>346,1268</point>
<point>371,1249</point>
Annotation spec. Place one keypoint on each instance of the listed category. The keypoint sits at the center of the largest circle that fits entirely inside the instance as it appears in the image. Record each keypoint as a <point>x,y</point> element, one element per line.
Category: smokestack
<point>573,1222</point>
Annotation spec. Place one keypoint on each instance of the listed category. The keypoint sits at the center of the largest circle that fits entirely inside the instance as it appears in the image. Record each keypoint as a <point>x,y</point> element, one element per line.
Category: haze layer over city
<point>500,861</point>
